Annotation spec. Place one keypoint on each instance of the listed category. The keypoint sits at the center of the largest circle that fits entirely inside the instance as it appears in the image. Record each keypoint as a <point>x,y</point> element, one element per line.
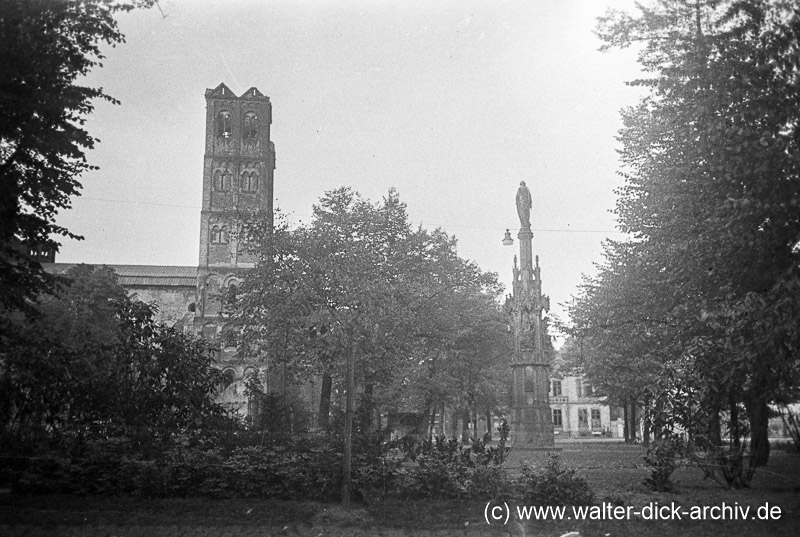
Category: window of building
<point>249,181</point>
<point>558,419</point>
<point>250,126</point>
<point>588,391</point>
<point>579,387</point>
<point>215,235</point>
<point>223,235</point>
<point>224,129</point>
<point>583,418</point>
<point>596,418</point>
<point>556,388</point>
<point>222,180</point>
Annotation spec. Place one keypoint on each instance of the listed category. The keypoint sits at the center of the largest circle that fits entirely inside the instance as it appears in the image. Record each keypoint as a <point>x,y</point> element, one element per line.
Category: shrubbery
<point>443,468</point>
<point>307,467</point>
<point>554,484</point>
<point>661,458</point>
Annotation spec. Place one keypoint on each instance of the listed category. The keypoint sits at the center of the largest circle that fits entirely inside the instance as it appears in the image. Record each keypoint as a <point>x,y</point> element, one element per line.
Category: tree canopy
<point>48,45</point>
<point>94,365</point>
<point>704,294</point>
<point>360,279</point>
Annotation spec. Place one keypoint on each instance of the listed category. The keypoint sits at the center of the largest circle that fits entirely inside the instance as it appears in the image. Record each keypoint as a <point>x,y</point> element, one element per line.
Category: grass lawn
<point>614,470</point>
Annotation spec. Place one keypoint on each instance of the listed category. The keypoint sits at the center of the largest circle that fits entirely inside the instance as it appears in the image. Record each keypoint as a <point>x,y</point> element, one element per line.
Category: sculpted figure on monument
<point>524,204</point>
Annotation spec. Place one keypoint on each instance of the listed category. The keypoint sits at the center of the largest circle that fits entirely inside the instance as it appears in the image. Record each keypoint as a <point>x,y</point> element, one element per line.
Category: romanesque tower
<point>238,170</point>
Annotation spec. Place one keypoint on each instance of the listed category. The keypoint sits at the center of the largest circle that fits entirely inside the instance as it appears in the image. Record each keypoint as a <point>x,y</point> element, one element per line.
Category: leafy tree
<point>356,293</point>
<point>461,359</point>
<point>47,46</point>
<point>710,199</point>
<point>92,365</point>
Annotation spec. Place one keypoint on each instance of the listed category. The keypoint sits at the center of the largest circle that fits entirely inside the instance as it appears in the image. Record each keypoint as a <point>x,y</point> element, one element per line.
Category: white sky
<point>452,102</point>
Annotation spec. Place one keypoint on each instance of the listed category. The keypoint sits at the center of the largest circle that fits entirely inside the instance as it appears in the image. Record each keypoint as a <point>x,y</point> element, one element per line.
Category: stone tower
<point>531,421</point>
<point>238,171</point>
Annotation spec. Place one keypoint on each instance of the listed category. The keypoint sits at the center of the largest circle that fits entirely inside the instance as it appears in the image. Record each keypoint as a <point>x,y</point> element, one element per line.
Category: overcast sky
<point>452,102</point>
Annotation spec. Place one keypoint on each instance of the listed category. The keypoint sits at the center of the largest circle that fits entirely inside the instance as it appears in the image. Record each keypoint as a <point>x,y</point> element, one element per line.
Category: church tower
<point>238,172</point>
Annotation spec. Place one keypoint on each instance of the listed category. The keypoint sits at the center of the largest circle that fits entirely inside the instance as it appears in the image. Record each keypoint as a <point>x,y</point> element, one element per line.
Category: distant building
<point>578,413</point>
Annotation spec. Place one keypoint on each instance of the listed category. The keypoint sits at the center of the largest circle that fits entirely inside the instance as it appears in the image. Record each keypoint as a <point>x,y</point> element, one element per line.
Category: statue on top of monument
<point>524,204</point>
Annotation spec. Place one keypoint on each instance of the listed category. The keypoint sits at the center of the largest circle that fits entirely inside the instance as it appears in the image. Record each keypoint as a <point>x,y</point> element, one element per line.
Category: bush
<point>309,468</point>
<point>554,484</point>
<point>661,458</point>
<point>443,468</point>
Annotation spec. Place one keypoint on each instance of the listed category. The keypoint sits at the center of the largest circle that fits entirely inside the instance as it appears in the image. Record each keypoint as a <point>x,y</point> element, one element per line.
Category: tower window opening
<point>218,180</point>
<point>215,235</point>
<point>223,235</point>
<point>250,126</point>
<point>225,181</point>
<point>224,128</point>
<point>250,181</point>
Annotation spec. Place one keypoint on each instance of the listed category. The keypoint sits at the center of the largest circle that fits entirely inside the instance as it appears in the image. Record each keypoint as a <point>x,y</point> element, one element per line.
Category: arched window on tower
<point>250,181</point>
<point>215,235</point>
<point>223,235</point>
<point>217,180</point>
<point>250,127</point>
<point>226,180</point>
<point>224,127</point>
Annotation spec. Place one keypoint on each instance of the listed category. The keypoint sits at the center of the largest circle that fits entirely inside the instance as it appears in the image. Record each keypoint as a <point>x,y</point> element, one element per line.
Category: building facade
<point>577,413</point>
<point>238,186</point>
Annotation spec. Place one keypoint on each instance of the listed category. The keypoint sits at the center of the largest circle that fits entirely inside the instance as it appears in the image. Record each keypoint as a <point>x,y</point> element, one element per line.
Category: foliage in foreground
<point>48,48</point>
<point>309,467</point>
<point>662,460</point>
<point>555,484</point>
<point>94,367</point>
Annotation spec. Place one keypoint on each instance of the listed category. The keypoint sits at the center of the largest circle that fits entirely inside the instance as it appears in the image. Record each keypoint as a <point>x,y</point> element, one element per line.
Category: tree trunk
<point>626,423</point>
<point>758,414</point>
<point>347,459</point>
<point>733,408</point>
<point>715,429</point>
<point>368,408</point>
<point>634,425</point>
<point>325,400</point>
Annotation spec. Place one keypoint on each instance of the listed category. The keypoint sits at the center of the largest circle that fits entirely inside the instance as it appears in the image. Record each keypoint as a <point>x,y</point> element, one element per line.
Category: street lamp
<point>507,240</point>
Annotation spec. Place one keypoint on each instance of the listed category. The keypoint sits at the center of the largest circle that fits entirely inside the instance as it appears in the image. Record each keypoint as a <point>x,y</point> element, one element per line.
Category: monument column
<point>531,420</point>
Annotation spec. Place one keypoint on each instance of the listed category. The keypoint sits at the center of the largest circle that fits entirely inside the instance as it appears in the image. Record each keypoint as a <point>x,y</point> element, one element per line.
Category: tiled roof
<point>141,275</point>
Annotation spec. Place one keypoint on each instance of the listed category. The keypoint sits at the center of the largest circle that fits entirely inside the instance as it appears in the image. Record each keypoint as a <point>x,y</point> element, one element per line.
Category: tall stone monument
<point>531,420</point>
